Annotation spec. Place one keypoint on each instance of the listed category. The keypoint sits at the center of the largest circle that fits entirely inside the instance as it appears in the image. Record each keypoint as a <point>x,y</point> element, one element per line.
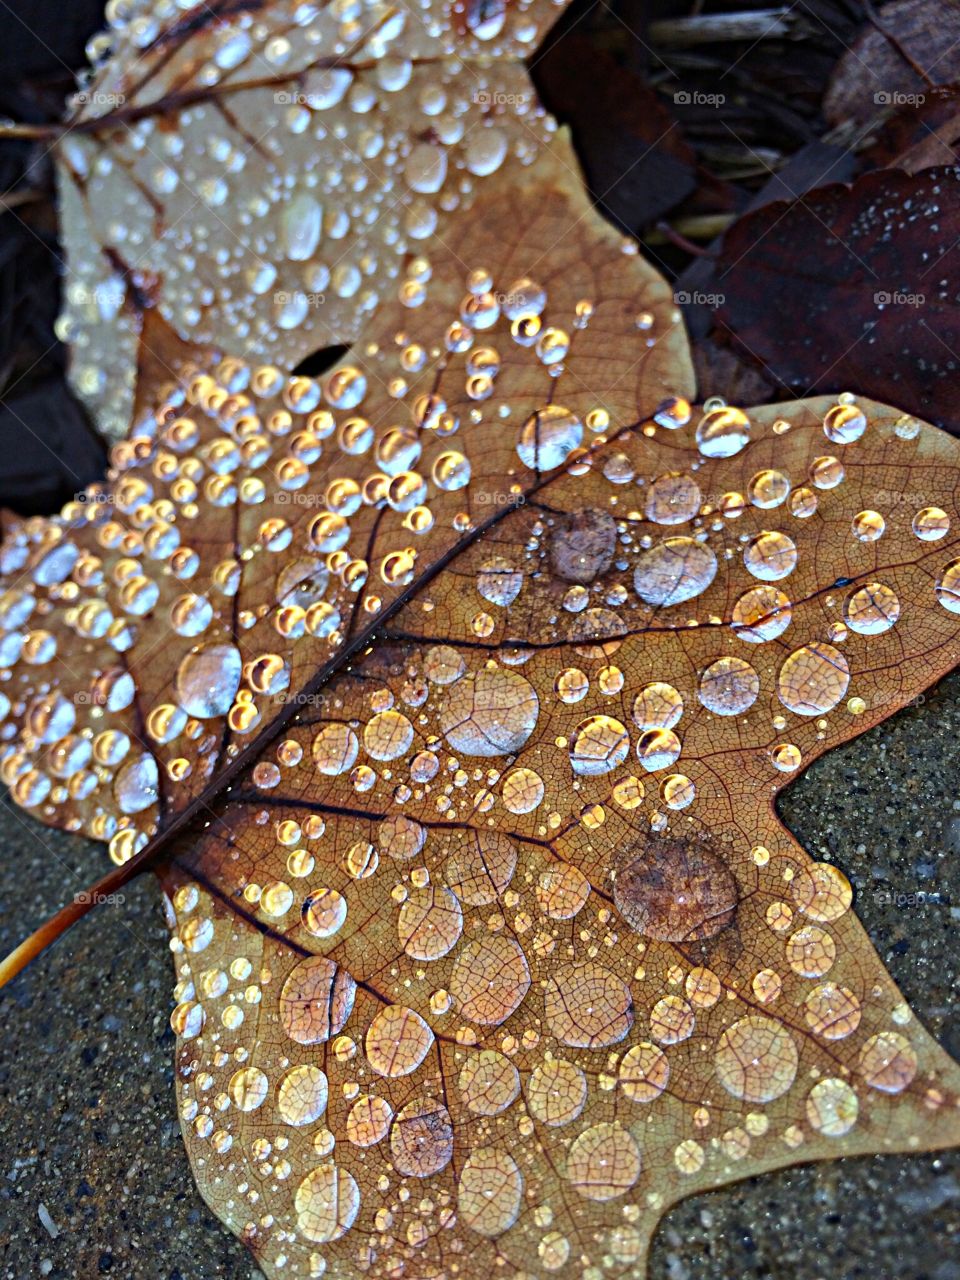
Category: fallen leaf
<point>720,369</point>
<point>262,185</point>
<point>851,288</point>
<point>636,162</point>
<point>450,695</point>
<point>882,68</point>
<point>919,136</point>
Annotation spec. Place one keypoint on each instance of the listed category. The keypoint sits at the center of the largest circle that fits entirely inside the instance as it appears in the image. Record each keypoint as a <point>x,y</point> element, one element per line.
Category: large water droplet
<point>548,438</point>
<point>674,571</point>
<point>207,680</point>
<point>813,679</point>
<point>728,686</point>
<point>676,891</point>
<point>489,713</point>
<point>723,432</point>
<point>301,225</point>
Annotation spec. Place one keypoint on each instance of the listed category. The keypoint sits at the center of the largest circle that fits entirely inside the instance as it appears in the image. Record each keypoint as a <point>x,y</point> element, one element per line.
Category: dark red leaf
<point>634,156</point>
<point>853,288</point>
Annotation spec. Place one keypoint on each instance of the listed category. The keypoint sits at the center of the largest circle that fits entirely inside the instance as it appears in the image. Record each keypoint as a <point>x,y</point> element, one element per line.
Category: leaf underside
<point>457,686</point>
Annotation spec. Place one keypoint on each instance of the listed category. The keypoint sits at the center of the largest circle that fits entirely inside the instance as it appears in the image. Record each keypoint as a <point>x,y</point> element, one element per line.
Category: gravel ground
<point>94,1180</point>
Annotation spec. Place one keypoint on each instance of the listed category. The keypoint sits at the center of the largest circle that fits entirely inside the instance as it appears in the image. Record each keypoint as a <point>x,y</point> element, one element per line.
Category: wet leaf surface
<point>451,691</point>
<point>920,136</point>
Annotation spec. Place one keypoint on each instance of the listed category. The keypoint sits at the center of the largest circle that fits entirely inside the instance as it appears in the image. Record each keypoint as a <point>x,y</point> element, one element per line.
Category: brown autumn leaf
<point>636,161</point>
<point>451,695</point>
<point>909,46</point>
<point>259,176</point>
<point>919,136</point>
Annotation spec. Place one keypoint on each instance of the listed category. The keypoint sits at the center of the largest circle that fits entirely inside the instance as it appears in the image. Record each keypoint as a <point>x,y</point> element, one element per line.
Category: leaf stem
<point>65,918</point>
<point>11,129</point>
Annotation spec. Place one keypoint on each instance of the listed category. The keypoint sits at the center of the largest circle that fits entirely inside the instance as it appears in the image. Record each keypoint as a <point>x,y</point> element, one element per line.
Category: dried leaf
<point>850,288</point>
<point>636,162</point>
<point>919,136</point>
<point>883,67</point>
<point>262,186</point>
<point>455,691</point>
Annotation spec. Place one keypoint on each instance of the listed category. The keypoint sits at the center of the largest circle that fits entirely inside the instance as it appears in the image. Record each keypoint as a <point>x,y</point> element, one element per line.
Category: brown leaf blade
<point>261,180</point>
<point>455,689</point>
<point>555,989</point>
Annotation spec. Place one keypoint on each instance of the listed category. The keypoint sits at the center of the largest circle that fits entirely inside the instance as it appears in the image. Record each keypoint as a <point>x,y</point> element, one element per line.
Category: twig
<point>684,231</point>
<point>713,28</point>
<point>65,918</point>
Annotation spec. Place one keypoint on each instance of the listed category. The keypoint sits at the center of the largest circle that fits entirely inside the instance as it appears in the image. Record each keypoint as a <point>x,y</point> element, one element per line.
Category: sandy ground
<point>94,1180</point>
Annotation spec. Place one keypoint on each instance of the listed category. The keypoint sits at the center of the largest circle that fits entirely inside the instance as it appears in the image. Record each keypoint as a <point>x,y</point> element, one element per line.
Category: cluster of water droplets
<point>325,145</point>
<point>474,801</point>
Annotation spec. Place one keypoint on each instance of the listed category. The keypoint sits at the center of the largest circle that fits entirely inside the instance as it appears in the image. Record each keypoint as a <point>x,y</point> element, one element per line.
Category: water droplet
<point>481,868</point>
<point>489,713</point>
<point>674,571</point>
<point>490,979</point>
<point>813,679</point>
<point>207,680</point>
<point>822,892</point>
<point>948,587</point>
<point>872,609</point>
<point>600,744</point>
<point>931,524</point>
<point>315,1000</point>
<point>770,556</point>
<point>832,1107</point>
<point>430,923</point>
<point>657,706</point>
<point>604,1162</point>
<point>761,614</point>
<point>488,1083</point>
<point>421,1139</point>
<point>397,1041</point>
<point>499,582</point>
<point>756,1059</point>
<point>548,438</point>
<point>729,686</point>
<point>582,545</point>
<point>844,423</point>
<point>644,1072</point>
<point>887,1062</point>
<point>489,1192</point>
<point>723,432</point>
<point>302,1096</point>
<point>587,1006</point>
<point>556,1092</point>
<point>327,1203</point>
<point>832,1012</point>
<point>768,489</point>
<point>658,749</point>
<point>676,891</point>
<point>673,499</point>
<point>323,913</point>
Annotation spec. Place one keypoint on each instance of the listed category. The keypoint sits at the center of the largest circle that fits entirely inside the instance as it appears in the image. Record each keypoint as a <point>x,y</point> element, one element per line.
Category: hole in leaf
<point>319,361</point>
